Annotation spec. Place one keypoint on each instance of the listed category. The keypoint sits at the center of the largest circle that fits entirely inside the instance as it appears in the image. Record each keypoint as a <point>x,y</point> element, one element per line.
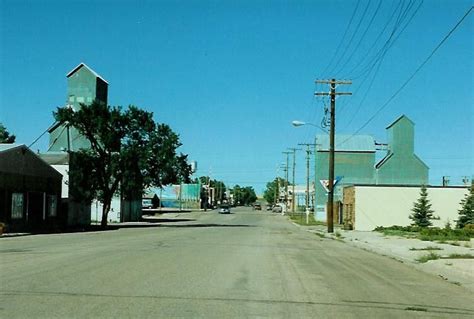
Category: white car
<point>224,209</point>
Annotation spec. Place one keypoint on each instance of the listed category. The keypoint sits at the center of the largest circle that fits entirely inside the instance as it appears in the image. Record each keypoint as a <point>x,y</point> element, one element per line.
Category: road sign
<point>325,183</point>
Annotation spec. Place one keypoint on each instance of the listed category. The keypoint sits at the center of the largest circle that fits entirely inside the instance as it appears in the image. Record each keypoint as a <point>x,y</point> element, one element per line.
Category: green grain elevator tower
<point>84,86</point>
<point>401,166</point>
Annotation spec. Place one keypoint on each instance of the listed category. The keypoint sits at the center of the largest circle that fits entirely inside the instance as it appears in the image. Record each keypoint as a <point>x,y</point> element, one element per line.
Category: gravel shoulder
<point>409,251</point>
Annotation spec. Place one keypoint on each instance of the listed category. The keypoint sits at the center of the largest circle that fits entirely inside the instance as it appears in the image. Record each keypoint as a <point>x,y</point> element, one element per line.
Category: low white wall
<point>64,171</point>
<point>114,213</point>
<point>388,206</point>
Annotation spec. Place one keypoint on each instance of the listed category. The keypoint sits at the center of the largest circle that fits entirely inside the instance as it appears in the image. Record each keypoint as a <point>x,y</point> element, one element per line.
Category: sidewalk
<point>456,271</point>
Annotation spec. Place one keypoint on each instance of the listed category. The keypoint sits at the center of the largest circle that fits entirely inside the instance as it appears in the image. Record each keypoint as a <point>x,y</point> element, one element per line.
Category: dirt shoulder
<point>413,252</point>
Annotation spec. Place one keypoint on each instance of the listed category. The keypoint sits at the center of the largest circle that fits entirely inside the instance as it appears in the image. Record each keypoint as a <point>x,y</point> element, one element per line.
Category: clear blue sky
<point>230,76</point>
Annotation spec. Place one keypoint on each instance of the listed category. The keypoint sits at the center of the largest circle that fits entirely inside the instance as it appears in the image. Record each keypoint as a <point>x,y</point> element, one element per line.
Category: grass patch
<point>441,235</point>
<point>300,219</point>
<point>427,248</point>
<point>430,256</point>
<point>459,256</point>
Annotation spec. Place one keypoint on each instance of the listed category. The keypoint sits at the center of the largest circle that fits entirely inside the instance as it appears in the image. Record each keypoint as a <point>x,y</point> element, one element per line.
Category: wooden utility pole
<point>293,150</point>
<point>332,94</point>
<point>308,157</point>
<point>286,177</point>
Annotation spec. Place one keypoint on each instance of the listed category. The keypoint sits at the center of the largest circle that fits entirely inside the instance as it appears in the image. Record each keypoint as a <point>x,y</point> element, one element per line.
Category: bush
<point>436,233</point>
<point>412,229</point>
<point>430,233</point>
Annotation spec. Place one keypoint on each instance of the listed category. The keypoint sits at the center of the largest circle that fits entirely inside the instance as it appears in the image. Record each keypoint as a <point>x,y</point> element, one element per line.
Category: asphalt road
<point>205,265</point>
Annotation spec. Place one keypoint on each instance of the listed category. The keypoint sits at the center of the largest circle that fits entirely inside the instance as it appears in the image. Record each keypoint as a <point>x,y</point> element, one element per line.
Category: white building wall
<point>114,213</point>
<point>64,171</point>
<point>388,206</point>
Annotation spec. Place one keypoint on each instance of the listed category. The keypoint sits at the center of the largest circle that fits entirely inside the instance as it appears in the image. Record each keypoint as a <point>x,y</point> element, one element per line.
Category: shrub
<point>466,213</point>
<point>422,212</point>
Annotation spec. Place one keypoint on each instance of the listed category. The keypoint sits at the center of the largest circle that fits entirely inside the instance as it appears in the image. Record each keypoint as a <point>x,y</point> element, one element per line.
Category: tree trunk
<point>105,212</point>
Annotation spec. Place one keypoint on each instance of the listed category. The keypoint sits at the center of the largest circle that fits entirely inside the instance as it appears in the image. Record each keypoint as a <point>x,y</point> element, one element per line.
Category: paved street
<point>205,265</point>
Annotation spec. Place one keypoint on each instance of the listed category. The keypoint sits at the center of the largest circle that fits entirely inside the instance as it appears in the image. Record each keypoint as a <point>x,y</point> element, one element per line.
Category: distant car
<point>278,208</point>
<point>147,203</point>
<point>224,209</point>
<point>257,206</point>
<point>269,207</point>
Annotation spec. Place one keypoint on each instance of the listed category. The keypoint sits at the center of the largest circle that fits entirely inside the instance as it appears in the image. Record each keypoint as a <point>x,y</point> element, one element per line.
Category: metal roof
<point>347,143</point>
<point>6,147</point>
<point>82,64</point>
<point>398,119</point>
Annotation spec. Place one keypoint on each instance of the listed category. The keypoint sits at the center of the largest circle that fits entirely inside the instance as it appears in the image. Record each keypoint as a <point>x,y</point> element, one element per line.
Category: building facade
<point>401,165</point>
<point>354,163</point>
<point>30,191</point>
<point>369,206</point>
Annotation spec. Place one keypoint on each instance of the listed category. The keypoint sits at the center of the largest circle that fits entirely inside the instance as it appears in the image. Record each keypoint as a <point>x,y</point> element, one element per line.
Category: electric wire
<point>389,43</point>
<point>38,138</point>
<point>383,106</point>
<point>343,37</point>
<point>378,62</point>
<point>379,36</point>
<point>352,37</point>
<point>361,39</point>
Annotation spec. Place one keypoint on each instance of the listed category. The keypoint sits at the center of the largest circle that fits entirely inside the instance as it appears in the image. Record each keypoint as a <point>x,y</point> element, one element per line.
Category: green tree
<point>129,152</point>
<point>5,136</point>
<point>422,213</point>
<point>272,190</point>
<point>218,186</point>
<point>466,213</point>
<point>244,195</point>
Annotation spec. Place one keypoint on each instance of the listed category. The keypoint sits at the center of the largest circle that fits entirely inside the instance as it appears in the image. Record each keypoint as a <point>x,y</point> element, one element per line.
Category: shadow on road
<point>206,225</point>
<point>402,308</point>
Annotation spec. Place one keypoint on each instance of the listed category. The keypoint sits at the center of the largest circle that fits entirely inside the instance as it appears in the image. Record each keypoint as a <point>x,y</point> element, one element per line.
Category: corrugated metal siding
<point>347,143</point>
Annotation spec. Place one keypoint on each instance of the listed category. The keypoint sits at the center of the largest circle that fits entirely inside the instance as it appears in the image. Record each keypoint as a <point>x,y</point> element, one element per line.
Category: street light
<point>297,123</point>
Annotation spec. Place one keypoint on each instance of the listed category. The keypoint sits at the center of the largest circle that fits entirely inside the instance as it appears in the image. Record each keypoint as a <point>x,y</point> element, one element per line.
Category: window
<point>17,205</point>
<point>52,205</point>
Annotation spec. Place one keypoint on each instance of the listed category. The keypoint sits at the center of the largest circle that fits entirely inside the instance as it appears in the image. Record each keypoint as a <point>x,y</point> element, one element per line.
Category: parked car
<point>257,206</point>
<point>279,208</point>
<point>147,203</point>
<point>269,207</point>
<point>224,209</point>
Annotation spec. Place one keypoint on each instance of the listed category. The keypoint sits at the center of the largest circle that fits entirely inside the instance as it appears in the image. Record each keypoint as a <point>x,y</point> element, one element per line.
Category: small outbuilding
<point>30,191</point>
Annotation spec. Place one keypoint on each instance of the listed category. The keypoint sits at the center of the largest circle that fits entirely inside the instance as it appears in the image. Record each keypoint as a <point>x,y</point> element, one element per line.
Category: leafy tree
<point>273,189</point>
<point>5,136</point>
<point>422,213</point>
<point>244,195</point>
<point>219,189</point>
<point>466,213</point>
<point>129,152</point>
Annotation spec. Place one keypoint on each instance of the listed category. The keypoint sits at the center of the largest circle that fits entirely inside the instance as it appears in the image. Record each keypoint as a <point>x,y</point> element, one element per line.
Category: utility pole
<point>286,176</point>
<point>332,94</point>
<point>445,181</point>
<point>308,157</point>
<point>293,150</point>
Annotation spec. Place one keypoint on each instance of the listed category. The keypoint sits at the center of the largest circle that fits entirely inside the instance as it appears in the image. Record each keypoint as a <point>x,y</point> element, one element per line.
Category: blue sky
<point>230,76</point>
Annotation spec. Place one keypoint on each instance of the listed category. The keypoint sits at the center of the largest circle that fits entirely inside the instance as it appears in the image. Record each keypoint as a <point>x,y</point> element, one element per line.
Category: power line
<point>352,37</point>
<point>343,37</point>
<point>367,54</point>
<point>361,38</point>
<point>380,55</point>
<point>412,75</point>
<point>37,139</point>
